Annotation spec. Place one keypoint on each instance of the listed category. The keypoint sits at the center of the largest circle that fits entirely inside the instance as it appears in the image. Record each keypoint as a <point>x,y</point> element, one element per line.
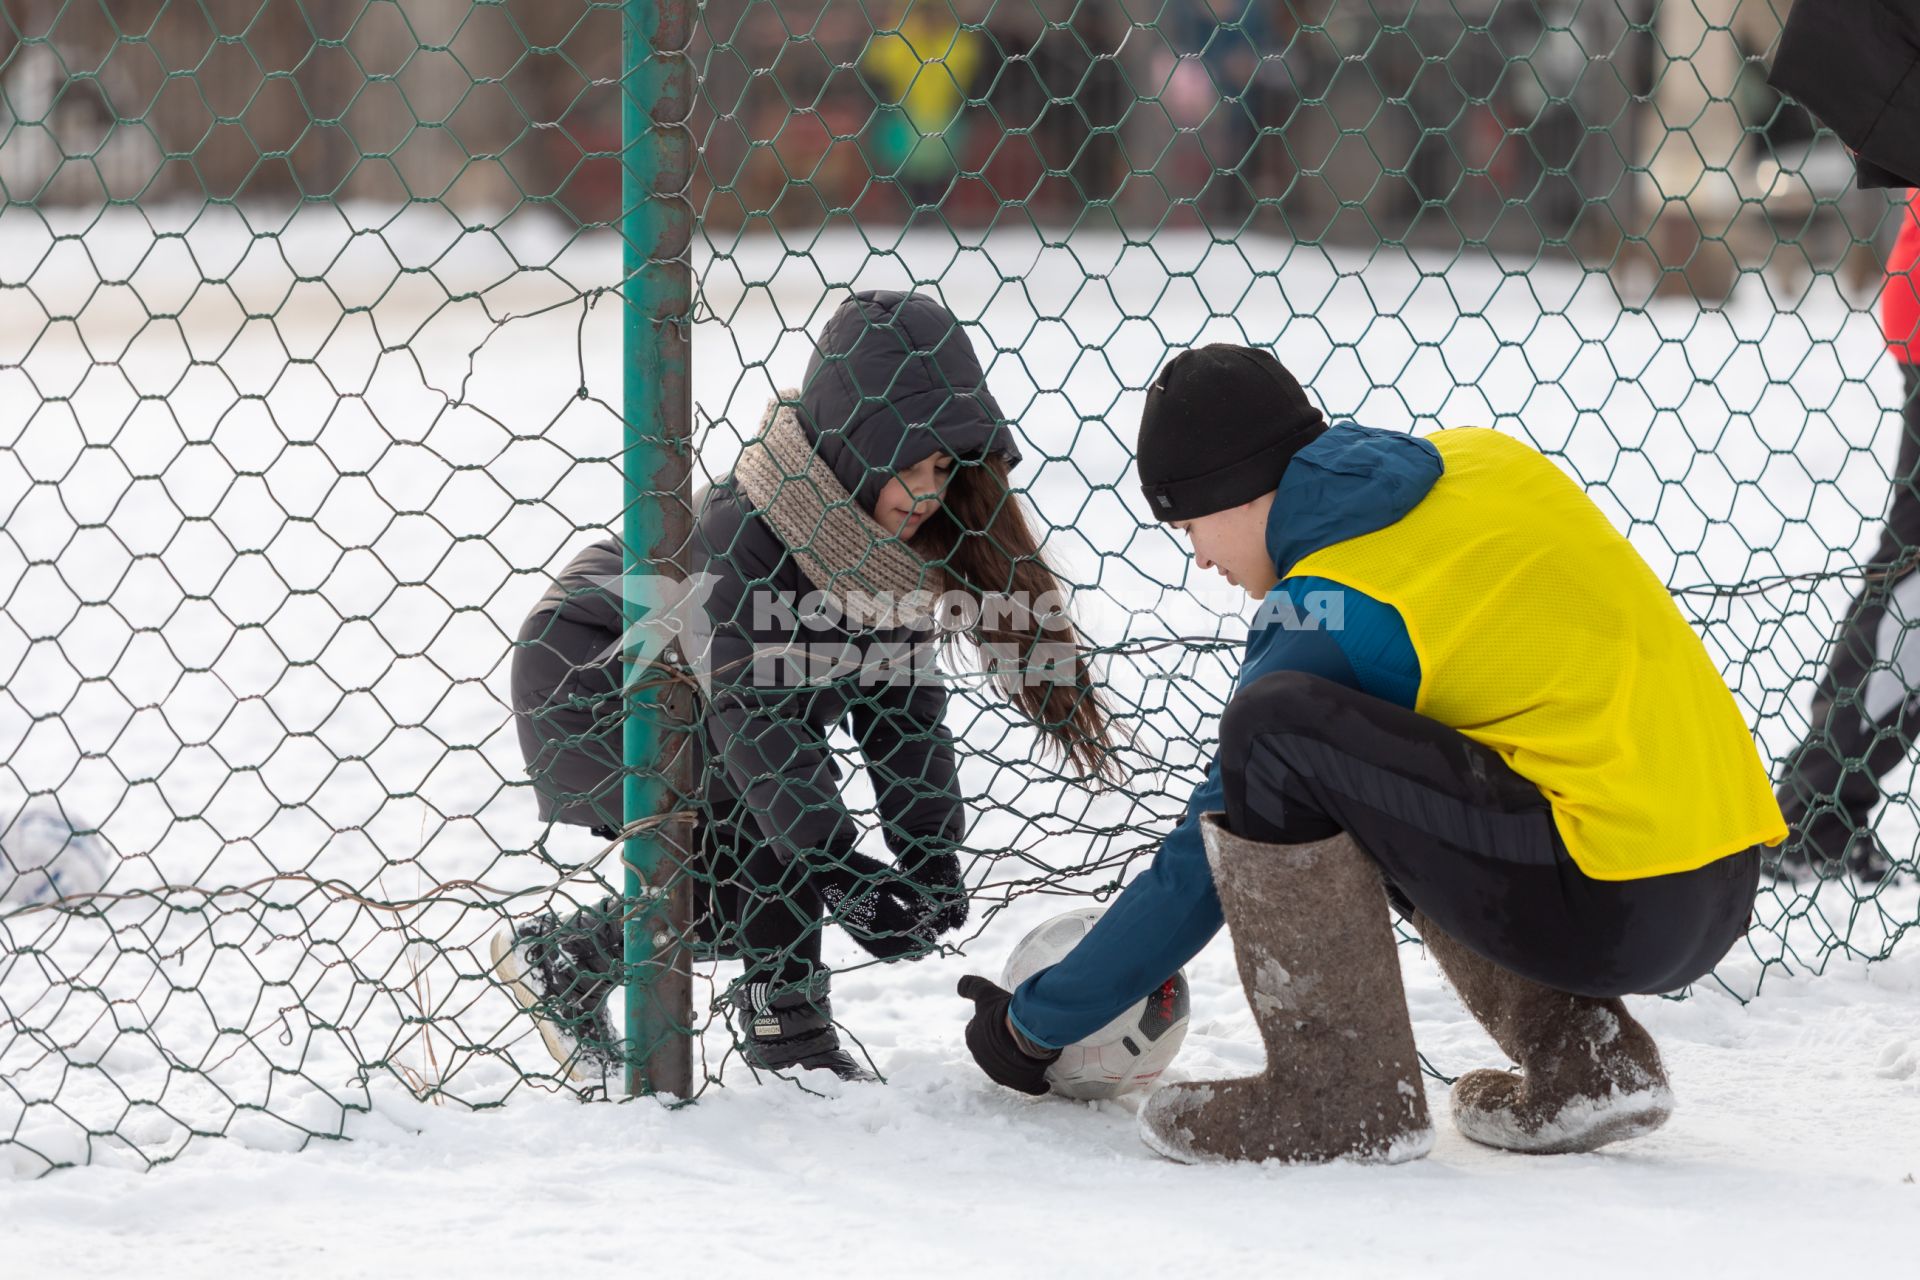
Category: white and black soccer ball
<point>1128,1053</point>
<point>44,857</point>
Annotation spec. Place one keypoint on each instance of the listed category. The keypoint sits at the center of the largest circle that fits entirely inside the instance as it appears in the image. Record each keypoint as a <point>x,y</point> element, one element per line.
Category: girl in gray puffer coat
<point>880,487</point>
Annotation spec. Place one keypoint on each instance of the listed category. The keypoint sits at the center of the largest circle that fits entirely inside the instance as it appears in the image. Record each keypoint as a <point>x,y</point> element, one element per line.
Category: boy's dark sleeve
<point>1158,923</point>
<point>1170,911</point>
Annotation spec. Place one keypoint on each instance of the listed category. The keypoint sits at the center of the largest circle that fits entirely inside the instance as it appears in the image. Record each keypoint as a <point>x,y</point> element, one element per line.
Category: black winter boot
<point>561,975</point>
<point>791,1025</point>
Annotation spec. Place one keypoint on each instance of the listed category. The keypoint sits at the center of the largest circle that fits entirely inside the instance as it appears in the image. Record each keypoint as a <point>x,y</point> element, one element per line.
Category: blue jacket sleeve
<point>1371,635</point>
<point>1169,912</point>
<point>1158,923</point>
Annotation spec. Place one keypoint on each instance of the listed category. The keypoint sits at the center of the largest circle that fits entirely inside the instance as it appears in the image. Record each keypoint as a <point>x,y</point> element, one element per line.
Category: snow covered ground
<point>260,577</point>
<point>1794,1152</point>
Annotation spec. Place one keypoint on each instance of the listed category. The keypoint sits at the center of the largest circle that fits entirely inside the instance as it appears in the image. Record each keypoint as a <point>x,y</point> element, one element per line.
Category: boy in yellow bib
<point>1462,684</point>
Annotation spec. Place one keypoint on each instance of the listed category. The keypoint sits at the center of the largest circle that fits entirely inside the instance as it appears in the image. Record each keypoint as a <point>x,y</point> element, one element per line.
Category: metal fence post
<point>657,288</point>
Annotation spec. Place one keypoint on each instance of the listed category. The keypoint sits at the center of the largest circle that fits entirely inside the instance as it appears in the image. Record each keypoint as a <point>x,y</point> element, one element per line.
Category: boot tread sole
<point>1643,1118</point>
<point>514,975</point>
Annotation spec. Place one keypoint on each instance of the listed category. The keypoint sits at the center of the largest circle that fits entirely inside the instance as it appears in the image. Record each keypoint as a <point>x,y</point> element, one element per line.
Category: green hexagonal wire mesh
<point>312,465</point>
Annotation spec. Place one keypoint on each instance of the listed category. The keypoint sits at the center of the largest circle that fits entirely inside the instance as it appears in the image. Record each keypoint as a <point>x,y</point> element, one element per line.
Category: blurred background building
<point>1608,129</point>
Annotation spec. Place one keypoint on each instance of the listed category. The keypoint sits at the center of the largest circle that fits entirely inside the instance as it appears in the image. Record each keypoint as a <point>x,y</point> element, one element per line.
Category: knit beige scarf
<point>871,576</point>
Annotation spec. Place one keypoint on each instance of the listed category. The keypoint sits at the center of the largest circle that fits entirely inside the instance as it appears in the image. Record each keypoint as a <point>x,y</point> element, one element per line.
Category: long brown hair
<point>982,539</point>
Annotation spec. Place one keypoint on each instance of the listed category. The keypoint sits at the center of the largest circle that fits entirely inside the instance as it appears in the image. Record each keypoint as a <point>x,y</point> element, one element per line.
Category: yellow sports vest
<point>1543,634</point>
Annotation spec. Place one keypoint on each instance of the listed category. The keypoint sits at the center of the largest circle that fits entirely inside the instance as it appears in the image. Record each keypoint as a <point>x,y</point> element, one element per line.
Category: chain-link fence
<point>313,385</point>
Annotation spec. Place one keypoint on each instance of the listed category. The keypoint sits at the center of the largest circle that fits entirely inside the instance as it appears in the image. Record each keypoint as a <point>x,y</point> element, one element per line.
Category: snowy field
<point>263,557</point>
<point>1793,1152</point>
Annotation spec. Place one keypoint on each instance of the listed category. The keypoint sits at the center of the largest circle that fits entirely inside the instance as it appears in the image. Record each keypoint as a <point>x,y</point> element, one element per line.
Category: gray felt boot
<point>1589,1074</point>
<point>1318,961</point>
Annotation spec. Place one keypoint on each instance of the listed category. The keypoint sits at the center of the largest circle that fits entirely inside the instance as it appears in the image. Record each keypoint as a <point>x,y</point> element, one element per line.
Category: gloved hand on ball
<point>1007,1057</point>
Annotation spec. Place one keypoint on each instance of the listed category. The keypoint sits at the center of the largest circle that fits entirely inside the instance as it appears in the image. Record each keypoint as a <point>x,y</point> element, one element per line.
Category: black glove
<point>1002,1053</point>
<point>882,912</point>
<point>938,877</point>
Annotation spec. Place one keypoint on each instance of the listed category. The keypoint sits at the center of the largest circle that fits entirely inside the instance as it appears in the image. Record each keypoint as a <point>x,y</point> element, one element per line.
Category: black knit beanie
<point>1220,425</point>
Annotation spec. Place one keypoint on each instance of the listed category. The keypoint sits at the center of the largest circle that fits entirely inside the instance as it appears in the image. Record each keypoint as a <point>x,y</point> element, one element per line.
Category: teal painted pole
<point>657,288</point>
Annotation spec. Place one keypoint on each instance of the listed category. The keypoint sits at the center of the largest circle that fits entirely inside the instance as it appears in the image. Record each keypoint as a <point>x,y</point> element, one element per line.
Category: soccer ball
<point>1128,1053</point>
<point>44,858</point>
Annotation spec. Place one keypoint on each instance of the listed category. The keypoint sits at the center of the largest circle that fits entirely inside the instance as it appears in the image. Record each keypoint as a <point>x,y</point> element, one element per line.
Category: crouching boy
<point>1506,723</point>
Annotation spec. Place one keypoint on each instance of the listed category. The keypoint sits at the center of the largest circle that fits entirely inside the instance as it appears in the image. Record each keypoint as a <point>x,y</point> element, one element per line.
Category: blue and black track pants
<point>1462,838</point>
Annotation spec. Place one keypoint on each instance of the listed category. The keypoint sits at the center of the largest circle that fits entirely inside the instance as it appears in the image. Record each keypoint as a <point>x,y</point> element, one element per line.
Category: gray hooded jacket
<point>893,379</point>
